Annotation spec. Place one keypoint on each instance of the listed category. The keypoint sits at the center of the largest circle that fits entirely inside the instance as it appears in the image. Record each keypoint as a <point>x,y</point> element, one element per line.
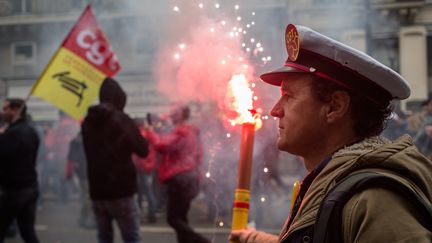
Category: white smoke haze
<point>198,71</point>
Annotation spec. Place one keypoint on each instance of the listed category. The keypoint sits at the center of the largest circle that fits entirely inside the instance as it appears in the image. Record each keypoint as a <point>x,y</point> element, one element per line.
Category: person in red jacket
<point>179,171</point>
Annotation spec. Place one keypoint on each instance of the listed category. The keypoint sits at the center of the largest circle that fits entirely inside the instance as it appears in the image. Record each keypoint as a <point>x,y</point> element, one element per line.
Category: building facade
<point>396,32</point>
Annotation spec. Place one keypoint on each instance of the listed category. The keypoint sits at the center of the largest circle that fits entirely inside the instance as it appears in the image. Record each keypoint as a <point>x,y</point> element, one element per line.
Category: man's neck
<point>325,149</point>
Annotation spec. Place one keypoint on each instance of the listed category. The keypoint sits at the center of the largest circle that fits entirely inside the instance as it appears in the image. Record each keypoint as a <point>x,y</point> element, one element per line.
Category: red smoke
<point>212,54</point>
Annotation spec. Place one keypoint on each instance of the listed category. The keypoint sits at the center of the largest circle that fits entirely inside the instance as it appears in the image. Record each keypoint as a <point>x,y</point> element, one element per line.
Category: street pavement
<point>57,223</point>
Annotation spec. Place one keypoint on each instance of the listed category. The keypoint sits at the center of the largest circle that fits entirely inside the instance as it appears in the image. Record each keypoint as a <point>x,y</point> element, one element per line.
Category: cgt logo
<point>97,51</point>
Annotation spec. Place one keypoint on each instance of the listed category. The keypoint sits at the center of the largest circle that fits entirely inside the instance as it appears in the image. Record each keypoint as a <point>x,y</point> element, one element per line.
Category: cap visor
<point>275,77</point>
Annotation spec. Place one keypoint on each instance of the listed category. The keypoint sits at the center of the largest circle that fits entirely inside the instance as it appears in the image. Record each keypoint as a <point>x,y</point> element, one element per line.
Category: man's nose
<point>277,111</point>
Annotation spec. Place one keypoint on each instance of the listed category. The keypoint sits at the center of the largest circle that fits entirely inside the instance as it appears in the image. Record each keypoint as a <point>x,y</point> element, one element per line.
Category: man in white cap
<point>333,106</point>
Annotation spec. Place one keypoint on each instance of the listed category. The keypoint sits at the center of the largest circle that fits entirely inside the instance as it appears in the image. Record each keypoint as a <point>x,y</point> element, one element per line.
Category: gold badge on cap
<point>292,42</point>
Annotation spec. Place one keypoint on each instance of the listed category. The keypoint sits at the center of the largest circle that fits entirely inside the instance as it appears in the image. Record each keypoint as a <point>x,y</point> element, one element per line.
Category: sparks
<point>223,22</point>
<point>253,13</point>
<point>217,5</point>
<point>236,7</point>
<point>176,9</point>
<point>228,135</point>
<point>201,5</point>
<point>265,169</point>
<point>263,199</point>
<point>252,40</point>
<point>253,85</point>
<point>239,18</point>
<point>207,174</point>
<point>177,56</point>
<point>182,46</point>
<point>221,223</point>
<point>223,62</point>
<point>240,99</point>
<point>212,29</point>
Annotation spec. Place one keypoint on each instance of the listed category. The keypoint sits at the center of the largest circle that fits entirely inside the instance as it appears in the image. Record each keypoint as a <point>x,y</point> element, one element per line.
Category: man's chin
<point>281,145</point>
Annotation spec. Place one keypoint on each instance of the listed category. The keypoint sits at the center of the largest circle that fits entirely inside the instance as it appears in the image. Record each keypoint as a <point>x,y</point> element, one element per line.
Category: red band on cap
<point>317,73</point>
<point>333,71</point>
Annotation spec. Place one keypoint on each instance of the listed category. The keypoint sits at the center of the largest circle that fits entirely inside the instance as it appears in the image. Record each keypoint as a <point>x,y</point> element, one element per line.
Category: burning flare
<point>239,99</point>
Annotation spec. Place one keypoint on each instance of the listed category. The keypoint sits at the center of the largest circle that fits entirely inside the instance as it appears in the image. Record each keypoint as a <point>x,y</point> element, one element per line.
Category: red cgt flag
<point>87,40</point>
<point>72,79</point>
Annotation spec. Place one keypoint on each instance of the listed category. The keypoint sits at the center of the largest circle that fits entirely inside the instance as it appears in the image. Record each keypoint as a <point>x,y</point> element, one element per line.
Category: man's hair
<point>16,103</point>
<point>369,118</point>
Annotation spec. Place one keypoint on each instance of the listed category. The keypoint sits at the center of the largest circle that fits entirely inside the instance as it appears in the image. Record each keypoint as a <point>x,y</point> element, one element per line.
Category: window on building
<point>23,53</point>
<point>387,52</point>
<point>8,7</point>
<point>335,2</point>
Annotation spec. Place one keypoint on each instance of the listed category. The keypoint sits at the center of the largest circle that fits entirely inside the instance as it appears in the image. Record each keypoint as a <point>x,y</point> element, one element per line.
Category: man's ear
<point>338,105</point>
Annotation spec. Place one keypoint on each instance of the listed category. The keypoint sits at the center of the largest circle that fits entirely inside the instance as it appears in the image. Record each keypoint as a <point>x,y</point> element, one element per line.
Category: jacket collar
<point>343,162</point>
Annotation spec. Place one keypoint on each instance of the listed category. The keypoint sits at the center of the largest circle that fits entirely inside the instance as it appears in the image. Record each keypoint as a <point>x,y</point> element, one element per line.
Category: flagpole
<point>43,73</point>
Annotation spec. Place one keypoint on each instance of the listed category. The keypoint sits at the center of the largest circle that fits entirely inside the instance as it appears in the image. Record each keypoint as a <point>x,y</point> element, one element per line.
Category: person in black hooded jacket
<point>110,138</point>
<point>19,145</point>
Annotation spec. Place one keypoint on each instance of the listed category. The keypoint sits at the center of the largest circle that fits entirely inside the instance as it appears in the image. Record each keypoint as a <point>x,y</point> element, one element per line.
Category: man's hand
<point>240,236</point>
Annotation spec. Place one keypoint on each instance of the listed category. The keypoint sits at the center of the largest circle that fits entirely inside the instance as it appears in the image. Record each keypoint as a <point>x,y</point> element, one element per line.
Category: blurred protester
<point>179,171</point>
<point>110,138</point>
<point>3,123</point>
<point>12,230</point>
<point>77,165</point>
<point>18,177</point>
<point>333,105</point>
<point>145,172</point>
<point>57,145</point>
<point>423,137</point>
<point>415,120</point>
<point>396,124</point>
<point>41,161</point>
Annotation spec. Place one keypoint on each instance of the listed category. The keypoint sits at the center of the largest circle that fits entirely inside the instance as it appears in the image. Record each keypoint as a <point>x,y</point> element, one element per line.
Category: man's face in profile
<point>301,116</point>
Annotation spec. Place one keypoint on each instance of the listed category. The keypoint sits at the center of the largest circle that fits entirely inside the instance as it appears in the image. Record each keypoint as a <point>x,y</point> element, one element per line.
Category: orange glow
<point>240,99</point>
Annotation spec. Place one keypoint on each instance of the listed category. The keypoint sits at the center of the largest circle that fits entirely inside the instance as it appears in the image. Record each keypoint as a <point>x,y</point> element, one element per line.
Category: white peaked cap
<point>312,52</point>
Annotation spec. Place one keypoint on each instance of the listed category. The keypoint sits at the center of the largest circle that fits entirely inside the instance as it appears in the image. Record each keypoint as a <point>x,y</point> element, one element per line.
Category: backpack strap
<point>328,226</point>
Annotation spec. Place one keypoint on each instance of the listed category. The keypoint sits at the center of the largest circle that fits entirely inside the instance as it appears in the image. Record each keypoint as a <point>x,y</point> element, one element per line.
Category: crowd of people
<point>130,171</point>
<point>331,115</point>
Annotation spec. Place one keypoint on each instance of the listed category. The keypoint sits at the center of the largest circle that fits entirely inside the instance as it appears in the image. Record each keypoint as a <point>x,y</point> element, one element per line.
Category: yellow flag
<point>72,79</point>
